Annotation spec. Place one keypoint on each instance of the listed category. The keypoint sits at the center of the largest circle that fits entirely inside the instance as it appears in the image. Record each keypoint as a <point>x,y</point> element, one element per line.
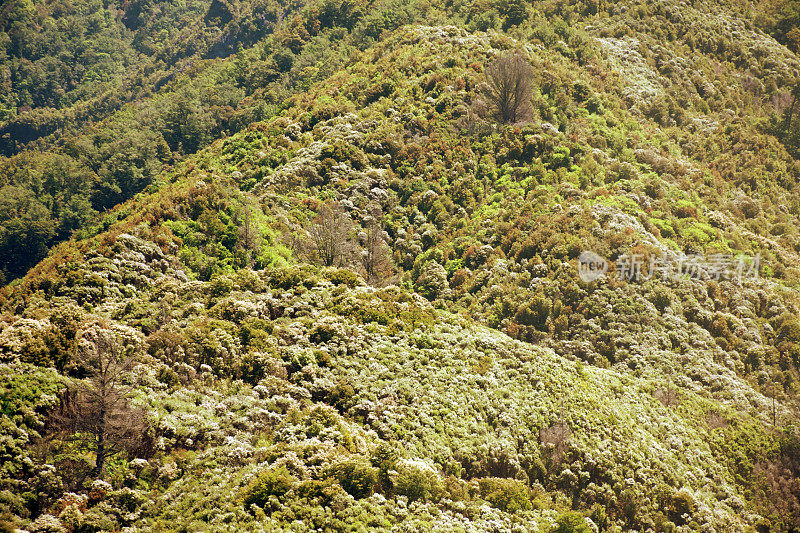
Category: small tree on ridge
<point>510,80</point>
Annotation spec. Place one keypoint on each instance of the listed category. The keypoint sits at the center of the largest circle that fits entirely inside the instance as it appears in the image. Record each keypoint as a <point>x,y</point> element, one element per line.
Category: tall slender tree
<point>789,133</point>
<point>375,253</point>
<point>789,114</point>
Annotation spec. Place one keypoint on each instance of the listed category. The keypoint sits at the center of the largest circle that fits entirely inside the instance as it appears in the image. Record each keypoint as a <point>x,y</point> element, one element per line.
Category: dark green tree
<point>26,230</point>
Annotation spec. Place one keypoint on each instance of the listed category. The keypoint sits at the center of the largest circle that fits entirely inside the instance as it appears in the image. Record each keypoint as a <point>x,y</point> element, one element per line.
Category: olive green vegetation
<point>350,291</point>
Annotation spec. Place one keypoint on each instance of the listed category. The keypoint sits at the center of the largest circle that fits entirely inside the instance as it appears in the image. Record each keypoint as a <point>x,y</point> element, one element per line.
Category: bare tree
<point>510,79</point>
<point>668,396</point>
<point>555,441</point>
<point>375,252</point>
<point>249,235</point>
<point>330,236</point>
<point>715,419</point>
<point>98,406</point>
<point>789,114</point>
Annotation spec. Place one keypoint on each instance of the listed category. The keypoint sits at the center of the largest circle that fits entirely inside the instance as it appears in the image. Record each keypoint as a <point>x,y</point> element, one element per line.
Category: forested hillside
<point>318,266</point>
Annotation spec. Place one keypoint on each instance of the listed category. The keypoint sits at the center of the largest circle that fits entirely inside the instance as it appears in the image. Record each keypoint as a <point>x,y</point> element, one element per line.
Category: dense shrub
<point>322,333</point>
<point>271,482</point>
<point>571,522</point>
<point>343,276</point>
<point>417,480</point>
<point>271,366</point>
<point>357,477</point>
<point>506,494</point>
<point>661,298</point>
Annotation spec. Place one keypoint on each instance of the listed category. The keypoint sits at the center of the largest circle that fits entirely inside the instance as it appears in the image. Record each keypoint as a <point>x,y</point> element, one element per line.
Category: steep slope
<point>335,378</point>
<point>99,99</point>
<point>290,392</point>
<point>108,95</point>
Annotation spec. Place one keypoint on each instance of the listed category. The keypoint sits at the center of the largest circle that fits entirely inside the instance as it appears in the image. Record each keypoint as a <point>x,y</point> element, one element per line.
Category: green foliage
<point>384,458</point>
<point>681,507</point>
<point>633,145</point>
<point>787,328</point>
<point>255,331</point>
<point>322,333</point>
<point>271,482</point>
<point>291,277</point>
<point>256,365</point>
<point>220,286</point>
<point>661,298</point>
<point>341,396</point>
<point>417,482</point>
<point>571,522</point>
<point>535,313</point>
<point>25,389</point>
<point>343,276</point>
<point>26,230</point>
<point>506,494</point>
<point>358,478</point>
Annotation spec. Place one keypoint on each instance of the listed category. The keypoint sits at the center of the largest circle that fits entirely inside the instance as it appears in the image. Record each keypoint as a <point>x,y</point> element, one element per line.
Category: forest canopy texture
<point>320,265</point>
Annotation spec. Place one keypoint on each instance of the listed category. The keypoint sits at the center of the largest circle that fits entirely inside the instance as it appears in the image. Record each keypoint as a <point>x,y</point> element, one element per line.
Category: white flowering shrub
<point>284,396</point>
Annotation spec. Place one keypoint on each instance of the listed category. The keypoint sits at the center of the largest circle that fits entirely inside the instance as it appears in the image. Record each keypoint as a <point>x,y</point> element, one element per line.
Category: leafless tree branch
<point>510,80</point>
<point>99,405</point>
